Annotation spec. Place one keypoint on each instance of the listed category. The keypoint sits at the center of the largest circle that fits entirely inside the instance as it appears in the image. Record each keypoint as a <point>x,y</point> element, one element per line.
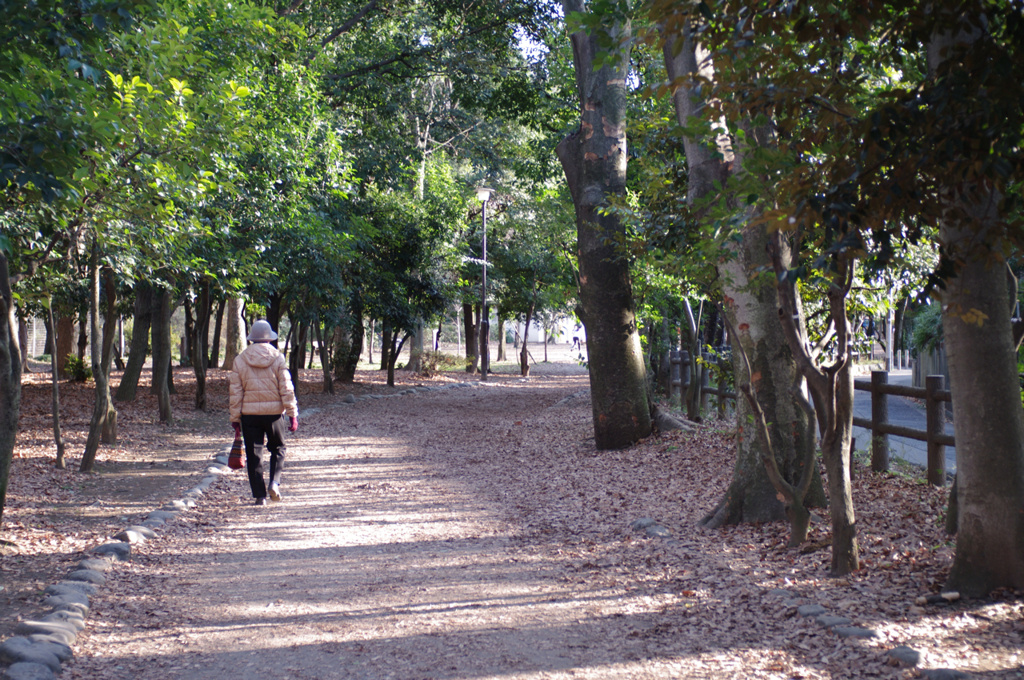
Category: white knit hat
<point>261,332</point>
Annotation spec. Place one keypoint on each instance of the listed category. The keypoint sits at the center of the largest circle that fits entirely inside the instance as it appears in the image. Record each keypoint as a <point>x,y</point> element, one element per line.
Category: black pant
<point>254,428</point>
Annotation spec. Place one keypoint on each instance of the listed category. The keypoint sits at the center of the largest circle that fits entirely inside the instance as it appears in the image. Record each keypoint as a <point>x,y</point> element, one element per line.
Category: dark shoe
<point>275,495</point>
<point>261,501</point>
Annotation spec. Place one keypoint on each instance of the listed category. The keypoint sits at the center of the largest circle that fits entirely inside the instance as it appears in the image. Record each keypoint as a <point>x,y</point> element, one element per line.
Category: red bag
<point>236,459</point>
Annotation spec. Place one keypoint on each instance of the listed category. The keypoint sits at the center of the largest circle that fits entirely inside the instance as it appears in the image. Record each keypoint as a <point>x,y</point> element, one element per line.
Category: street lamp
<point>483,194</point>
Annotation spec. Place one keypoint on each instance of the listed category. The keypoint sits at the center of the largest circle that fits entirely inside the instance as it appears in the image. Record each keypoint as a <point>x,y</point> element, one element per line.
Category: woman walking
<point>262,396</point>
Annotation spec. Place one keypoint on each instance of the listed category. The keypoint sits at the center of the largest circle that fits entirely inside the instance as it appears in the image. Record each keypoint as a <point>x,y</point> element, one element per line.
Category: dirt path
<point>379,563</point>
<point>473,533</point>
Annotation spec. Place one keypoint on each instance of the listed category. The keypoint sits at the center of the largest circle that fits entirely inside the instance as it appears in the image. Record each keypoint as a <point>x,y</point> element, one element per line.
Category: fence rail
<point>934,395</point>
<point>679,380</point>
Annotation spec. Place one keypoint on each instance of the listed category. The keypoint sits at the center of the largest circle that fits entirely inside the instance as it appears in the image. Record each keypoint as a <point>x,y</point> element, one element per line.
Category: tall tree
<point>594,160</point>
<point>139,345</point>
<point>10,376</point>
<point>761,355</point>
<point>103,424</point>
<point>979,339</point>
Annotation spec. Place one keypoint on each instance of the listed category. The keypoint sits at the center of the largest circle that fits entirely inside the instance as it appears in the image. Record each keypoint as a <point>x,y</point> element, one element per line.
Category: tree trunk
<point>753,312</point>
<point>501,338</point>
<point>392,354</point>
<point>60,463</point>
<point>832,388</point>
<point>369,345</point>
<point>989,420</point>
<point>199,346</point>
<point>753,309</point>
<point>233,336</point>
<point>594,161</point>
<point>385,345</point>
<point>416,353</point>
<point>83,335</point>
<point>325,360</point>
<point>215,348</point>
<point>274,313</point>
<point>471,343</point>
<point>693,345</point>
<point>544,327</point>
<point>982,359</point>
<point>139,348</point>
<point>10,380</point>
<point>899,323</point>
<point>348,362</point>
<point>524,352</point>
<point>204,313</point>
<point>65,342</point>
<point>103,424</point>
<point>297,357</point>
<point>23,343</point>
<point>48,344</point>
<point>161,328</point>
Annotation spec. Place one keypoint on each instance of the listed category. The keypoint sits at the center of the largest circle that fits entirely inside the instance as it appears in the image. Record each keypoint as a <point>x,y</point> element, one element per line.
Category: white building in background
<point>562,331</point>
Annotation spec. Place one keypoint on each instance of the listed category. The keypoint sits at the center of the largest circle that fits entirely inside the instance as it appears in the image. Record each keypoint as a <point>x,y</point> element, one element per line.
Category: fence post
<point>675,382</point>
<point>935,413</point>
<point>704,383</point>
<point>721,387</point>
<point>879,416</point>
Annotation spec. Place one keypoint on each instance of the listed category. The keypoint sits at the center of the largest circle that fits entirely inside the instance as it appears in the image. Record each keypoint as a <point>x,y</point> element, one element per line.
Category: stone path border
<point>42,646</point>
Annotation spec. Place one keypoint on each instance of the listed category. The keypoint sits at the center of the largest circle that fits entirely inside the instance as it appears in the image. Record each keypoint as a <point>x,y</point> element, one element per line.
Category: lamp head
<point>483,194</point>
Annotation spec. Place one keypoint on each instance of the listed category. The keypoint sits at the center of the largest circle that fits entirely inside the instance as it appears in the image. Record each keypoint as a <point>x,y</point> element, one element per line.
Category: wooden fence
<point>679,380</point>
<point>934,395</point>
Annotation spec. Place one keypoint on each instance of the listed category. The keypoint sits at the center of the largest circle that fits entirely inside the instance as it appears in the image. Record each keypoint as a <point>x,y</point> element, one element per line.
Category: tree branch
<point>348,25</point>
<point>290,9</point>
<point>403,57</point>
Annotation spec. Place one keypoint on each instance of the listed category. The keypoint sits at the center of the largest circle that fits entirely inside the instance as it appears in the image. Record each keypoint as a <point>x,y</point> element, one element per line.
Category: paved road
<point>902,411</point>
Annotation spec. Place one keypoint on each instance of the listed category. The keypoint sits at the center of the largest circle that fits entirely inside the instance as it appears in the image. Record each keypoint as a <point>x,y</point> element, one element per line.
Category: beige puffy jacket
<point>260,384</point>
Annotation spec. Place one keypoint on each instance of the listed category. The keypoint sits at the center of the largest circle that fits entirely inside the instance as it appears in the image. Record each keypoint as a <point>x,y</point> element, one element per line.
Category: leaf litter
<point>470,533</point>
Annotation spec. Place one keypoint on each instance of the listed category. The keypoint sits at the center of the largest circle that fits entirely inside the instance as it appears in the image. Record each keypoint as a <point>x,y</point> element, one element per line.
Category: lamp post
<point>484,193</point>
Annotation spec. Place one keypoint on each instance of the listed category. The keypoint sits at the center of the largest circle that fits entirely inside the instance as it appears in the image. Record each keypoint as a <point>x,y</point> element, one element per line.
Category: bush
<point>432,363</point>
<point>928,328</point>
<point>78,369</point>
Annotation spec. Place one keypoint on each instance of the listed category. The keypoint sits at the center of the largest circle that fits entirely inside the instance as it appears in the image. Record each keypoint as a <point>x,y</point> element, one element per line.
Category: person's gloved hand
<point>237,427</point>
<point>293,424</point>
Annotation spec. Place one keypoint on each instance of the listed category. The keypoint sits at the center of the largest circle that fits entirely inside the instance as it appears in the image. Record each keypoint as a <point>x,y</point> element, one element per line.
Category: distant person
<point>576,338</point>
<point>262,396</point>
